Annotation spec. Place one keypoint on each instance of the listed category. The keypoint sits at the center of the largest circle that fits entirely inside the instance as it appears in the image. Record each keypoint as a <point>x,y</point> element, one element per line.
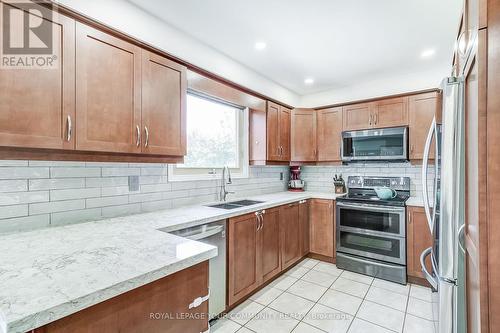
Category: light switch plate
<point>133,183</point>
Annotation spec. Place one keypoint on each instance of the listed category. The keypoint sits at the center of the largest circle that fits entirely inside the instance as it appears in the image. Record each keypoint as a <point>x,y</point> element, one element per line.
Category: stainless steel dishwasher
<point>213,233</point>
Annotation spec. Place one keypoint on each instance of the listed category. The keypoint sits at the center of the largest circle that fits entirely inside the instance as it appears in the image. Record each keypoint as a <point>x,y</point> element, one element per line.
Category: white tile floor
<point>318,297</point>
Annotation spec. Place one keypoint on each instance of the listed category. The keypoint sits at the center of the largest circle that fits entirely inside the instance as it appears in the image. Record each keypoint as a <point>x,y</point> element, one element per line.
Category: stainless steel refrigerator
<point>446,210</point>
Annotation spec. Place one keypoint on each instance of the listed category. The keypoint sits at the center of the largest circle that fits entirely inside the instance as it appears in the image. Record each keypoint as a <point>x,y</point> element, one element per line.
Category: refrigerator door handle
<point>425,165</point>
<point>428,276</point>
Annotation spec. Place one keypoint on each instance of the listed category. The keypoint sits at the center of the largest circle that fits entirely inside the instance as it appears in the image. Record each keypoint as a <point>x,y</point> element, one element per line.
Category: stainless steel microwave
<point>375,144</point>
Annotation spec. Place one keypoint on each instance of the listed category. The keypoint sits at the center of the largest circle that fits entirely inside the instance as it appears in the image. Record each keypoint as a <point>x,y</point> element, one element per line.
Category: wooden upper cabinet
<point>357,116</point>
<point>290,234</point>
<point>270,244</point>
<point>329,132</point>
<point>244,256</point>
<point>37,105</point>
<point>303,135</point>
<point>322,236</point>
<point>163,106</point>
<point>418,239</point>
<point>392,112</point>
<point>273,132</point>
<point>285,122</point>
<point>278,132</point>
<point>422,109</point>
<point>108,92</point>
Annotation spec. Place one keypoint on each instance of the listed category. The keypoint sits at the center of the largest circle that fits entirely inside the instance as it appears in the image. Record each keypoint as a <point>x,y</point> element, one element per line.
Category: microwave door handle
<point>425,164</point>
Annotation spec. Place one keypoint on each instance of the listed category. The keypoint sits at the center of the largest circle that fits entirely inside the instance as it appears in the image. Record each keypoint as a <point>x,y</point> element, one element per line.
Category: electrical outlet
<point>133,183</point>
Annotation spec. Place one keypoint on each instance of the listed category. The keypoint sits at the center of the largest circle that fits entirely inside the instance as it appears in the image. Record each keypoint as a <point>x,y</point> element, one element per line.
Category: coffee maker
<point>295,184</point>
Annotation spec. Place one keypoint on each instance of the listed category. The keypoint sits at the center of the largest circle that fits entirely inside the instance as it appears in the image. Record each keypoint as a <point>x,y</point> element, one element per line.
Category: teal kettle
<point>385,193</point>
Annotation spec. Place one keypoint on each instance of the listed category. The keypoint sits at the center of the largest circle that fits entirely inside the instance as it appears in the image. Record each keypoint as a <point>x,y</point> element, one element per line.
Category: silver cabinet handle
<point>461,238</point>
<point>146,131</point>
<point>138,132</point>
<point>375,117</point>
<point>199,300</point>
<point>258,216</point>
<point>370,121</point>
<point>69,128</point>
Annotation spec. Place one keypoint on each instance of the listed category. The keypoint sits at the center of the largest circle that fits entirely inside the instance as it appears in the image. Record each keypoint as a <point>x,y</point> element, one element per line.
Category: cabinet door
<point>357,116</point>
<point>322,227</point>
<point>284,124</point>
<point>130,312</point>
<point>418,239</point>
<point>36,105</point>
<point>244,257</point>
<point>391,112</point>
<point>273,132</point>
<point>421,109</point>
<point>163,106</point>
<point>290,234</point>
<point>304,226</point>
<point>329,134</point>
<point>108,92</point>
<point>303,135</point>
<point>270,234</point>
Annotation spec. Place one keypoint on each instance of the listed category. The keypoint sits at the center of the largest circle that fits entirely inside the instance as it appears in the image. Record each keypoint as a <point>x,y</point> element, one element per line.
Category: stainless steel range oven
<point>371,232</point>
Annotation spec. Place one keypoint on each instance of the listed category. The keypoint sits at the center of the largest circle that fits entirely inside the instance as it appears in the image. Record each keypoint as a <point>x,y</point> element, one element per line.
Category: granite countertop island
<point>51,273</point>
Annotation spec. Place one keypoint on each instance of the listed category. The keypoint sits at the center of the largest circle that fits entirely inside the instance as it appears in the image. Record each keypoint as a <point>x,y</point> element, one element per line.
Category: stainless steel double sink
<point>235,204</point>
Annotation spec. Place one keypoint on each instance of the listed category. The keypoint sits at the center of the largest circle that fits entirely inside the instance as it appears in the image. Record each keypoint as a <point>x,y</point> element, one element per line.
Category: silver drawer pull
<point>199,300</point>
<point>138,132</point>
<point>70,128</point>
<point>147,136</point>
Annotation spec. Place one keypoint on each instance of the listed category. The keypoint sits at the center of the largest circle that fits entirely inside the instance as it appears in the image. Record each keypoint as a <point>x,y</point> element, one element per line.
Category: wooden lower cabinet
<point>290,228</point>
<point>322,226</point>
<point>270,246</point>
<point>253,252</point>
<point>304,226</point>
<point>141,309</point>
<point>418,238</point>
<point>244,256</point>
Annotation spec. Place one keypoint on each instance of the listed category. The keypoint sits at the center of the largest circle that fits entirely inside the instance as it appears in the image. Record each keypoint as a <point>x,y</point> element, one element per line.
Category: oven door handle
<point>372,207</point>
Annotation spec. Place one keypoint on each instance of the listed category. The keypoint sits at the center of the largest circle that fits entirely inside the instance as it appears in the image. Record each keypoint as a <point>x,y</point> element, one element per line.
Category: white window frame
<point>192,174</point>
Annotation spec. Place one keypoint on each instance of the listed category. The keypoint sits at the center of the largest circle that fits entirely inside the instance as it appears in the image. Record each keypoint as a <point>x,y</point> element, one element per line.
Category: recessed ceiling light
<point>309,81</point>
<point>427,53</point>
<point>260,46</point>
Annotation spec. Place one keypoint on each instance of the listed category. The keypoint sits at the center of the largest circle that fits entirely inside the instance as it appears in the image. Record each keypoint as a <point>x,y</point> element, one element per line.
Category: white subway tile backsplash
<point>13,211</point>
<point>23,172</point>
<point>123,210</point>
<point>117,190</point>
<point>17,198</point>
<point>36,194</point>
<point>155,196</point>
<point>24,223</point>
<point>106,201</point>
<point>106,182</point>
<point>58,172</point>
<point>57,195</point>
<point>75,216</point>
<point>13,185</point>
<point>56,206</point>
<point>115,172</point>
<point>56,184</point>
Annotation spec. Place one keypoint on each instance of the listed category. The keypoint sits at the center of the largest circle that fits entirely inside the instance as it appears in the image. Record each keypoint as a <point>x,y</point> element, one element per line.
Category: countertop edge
<point>47,316</point>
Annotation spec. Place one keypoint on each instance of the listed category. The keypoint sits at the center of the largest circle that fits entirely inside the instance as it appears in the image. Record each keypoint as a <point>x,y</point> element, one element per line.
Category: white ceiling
<point>339,43</point>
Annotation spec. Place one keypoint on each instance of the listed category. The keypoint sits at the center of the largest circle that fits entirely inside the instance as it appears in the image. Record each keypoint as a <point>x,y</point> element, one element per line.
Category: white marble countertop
<point>51,273</point>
